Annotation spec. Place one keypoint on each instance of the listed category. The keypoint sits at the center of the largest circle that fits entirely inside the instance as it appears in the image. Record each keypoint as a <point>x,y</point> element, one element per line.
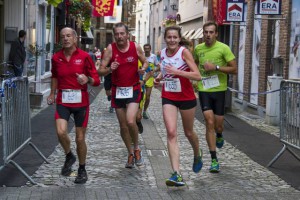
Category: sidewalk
<point>240,177</point>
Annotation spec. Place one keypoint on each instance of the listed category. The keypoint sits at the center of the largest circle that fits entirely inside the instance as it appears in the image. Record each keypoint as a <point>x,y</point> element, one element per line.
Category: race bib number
<point>71,96</point>
<point>210,82</point>
<point>172,85</point>
<point>124,92</point>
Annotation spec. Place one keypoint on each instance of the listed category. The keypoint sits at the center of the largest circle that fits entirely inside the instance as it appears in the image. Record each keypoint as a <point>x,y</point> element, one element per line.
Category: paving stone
<point>109,179</point>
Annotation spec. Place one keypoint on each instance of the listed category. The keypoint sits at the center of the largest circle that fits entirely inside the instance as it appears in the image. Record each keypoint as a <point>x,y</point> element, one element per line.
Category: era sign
<point>235,11</point>
<point>269,7</point>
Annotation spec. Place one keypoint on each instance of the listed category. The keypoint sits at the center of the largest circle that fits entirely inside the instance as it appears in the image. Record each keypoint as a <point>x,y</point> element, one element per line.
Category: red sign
<point>103,8</point>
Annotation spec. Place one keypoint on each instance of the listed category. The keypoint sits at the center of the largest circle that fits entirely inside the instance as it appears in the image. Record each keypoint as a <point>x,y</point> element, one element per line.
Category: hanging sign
<point>269,7</point>
<point>235,10</point>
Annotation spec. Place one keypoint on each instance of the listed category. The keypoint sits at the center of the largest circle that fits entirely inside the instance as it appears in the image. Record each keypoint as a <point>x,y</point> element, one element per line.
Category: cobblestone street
<point>240,177</point>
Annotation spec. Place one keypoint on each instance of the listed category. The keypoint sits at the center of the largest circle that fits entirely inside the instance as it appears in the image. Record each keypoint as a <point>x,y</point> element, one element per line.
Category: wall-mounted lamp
<point>174,6</point>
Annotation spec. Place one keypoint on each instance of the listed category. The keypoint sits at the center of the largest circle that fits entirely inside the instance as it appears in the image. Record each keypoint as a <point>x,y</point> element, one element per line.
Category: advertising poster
<point>294,65</point>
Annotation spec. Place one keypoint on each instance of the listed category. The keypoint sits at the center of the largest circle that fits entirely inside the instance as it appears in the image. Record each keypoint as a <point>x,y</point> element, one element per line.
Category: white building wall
<point>13,17</point>
<point>142,21</point>
<point>191,14</point>
<point>159,10</point>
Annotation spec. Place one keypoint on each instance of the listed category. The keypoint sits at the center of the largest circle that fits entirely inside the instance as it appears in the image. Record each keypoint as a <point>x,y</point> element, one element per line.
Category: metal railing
<point>289,118</point>
<point>16,124</point>
<point>6,70</point>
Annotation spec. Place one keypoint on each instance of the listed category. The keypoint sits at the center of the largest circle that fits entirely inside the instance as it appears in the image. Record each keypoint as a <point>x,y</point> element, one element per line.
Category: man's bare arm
<point>104,69</point>
<point>142,58</point>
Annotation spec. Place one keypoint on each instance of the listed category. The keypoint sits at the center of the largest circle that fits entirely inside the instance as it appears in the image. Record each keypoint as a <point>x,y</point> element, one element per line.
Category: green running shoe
<point>215,167</point>
<point>175,180</point>
<point>219,142</point>
<point>197,165</point>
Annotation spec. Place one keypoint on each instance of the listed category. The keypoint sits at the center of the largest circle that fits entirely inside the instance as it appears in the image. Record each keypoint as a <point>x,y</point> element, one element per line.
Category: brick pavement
<point>240,177</point>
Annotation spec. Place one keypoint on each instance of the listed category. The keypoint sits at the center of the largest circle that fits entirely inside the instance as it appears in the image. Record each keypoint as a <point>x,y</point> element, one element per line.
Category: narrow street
<point>240,176</point>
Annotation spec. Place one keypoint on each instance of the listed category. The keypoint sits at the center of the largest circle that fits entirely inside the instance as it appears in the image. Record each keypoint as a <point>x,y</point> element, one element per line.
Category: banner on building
<point>235,10</point>
<point>219,11</point>
<point>116,17</point>
<point>103,8</point>
<point>269,7</point>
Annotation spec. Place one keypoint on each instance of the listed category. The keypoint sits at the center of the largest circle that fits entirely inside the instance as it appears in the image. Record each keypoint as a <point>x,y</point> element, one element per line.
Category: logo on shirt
<point>78,62</point>
<point>130,59</point>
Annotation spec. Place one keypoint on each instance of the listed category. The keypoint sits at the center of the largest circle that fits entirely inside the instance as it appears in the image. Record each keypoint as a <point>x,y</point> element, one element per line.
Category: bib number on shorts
<point>210,82</point>
<point>172,85</point>
<point>71,96</point>
<point>124,92</point>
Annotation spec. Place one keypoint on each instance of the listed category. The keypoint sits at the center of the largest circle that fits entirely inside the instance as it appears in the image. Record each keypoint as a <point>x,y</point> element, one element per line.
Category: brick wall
<point>248,50</point>
<point>285,35</point>
<point>235,50</point>
<point>265,53</point>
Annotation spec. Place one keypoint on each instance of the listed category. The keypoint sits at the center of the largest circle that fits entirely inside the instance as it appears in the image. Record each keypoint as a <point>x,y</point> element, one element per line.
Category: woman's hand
<point>171,70</point>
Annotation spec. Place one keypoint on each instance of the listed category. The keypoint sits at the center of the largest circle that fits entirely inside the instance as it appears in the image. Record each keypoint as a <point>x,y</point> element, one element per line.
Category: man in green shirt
<point>215,60</point>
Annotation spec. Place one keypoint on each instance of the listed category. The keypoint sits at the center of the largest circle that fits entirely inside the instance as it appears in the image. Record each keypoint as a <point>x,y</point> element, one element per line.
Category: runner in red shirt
<point>177,69</point>
<point>72,70</point>
<point>123,57</point>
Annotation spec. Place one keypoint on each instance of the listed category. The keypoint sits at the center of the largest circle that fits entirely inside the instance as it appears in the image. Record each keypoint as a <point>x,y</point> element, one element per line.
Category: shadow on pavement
<point>43,135</point>
<point>261,147</point>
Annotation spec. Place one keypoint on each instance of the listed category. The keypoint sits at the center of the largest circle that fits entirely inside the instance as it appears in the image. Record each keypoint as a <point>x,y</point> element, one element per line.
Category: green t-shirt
<point>219,54</point>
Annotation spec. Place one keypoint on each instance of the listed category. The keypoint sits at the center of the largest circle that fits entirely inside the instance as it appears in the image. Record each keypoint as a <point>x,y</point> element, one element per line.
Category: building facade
<point>36,17</point>
<point>159,10</point>
<point>142,22</point>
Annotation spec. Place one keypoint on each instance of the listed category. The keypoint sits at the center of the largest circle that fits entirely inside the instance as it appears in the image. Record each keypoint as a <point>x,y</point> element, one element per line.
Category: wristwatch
<point>217,67</point>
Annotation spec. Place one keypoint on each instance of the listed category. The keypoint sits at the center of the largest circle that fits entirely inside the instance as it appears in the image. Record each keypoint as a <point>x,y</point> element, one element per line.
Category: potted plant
<point>54,2</point>
<point>170,20</point>
<point>82,11</point>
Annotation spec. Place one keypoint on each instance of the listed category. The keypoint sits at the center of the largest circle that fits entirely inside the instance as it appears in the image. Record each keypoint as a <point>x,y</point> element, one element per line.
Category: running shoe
<point>145,116</point>
<point>219,142</point>
<point>66,170</point>
<point>215,167</point>
<point>81,176</point>
<point>130,162</point>
<point>175,180</point>
<point>197,165</point>
<point>140,127</point>
<point>138,157</point>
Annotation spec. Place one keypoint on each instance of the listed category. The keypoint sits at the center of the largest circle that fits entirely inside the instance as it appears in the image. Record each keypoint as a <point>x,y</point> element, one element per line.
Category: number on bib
<point>124,92</point>
<point>71,96</point>
<point>172,85</point>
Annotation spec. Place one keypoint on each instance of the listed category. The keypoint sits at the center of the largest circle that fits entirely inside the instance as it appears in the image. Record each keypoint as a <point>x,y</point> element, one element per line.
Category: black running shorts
<point>213,101</point>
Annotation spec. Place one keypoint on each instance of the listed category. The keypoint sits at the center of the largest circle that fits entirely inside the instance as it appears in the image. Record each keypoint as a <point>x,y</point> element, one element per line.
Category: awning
<point>87,37</point>
<point>196,33</point>
<point>199,35</point>
<point>190,33</point>
<point>183,35</point>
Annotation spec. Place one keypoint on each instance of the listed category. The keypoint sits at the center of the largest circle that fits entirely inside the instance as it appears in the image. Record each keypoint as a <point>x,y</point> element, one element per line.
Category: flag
<point>103,8</point>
